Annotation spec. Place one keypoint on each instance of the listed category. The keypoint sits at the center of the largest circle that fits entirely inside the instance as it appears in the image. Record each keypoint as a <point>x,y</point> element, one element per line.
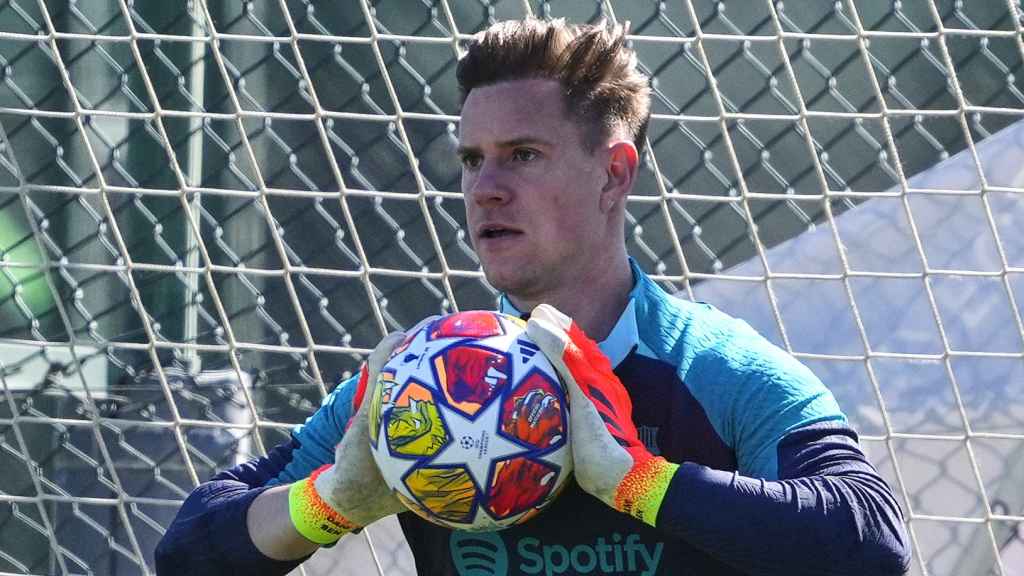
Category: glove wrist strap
<point>311,516</point>
<point>642,490</point>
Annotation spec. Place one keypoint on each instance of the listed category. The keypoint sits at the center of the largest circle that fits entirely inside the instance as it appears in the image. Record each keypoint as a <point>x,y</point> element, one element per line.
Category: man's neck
<point>594,303</point>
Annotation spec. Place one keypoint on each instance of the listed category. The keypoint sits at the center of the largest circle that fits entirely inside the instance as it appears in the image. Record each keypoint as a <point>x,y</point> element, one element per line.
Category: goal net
<point>211,211</point>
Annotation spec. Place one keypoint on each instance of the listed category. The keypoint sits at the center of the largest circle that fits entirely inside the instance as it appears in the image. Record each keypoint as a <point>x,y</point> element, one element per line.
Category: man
<point>749,467</point>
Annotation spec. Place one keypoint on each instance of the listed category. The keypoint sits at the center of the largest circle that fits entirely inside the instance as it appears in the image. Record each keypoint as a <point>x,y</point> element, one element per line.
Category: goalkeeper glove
<point>609,460</point>
<point>349,494</point>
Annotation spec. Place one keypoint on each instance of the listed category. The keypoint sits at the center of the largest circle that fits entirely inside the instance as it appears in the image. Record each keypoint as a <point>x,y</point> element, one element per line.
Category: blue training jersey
<point>772,480</point>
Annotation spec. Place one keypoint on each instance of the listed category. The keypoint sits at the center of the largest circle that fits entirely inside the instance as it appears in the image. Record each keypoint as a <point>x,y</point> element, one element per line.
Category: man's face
<point>532,189</point>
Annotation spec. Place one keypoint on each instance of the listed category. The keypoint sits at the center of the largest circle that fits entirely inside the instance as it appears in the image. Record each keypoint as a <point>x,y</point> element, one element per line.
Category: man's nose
<point>490,186</point>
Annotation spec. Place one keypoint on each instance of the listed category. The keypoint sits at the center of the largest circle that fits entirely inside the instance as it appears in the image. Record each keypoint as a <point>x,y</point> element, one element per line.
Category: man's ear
<point>621,171</point>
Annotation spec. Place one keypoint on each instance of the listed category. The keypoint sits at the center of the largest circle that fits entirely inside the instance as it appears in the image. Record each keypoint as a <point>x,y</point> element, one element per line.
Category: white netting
<point>209,211</point>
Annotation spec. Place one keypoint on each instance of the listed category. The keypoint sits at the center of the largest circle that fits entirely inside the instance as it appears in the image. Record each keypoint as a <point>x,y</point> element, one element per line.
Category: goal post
<point>211,211</point>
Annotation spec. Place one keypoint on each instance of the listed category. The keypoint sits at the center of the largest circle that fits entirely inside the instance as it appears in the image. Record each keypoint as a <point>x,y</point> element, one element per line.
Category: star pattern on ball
<point>552,459</point>
<point>418,366</point>
<point>502,342</point>
<point>498,447</point>
<point>440,478</point>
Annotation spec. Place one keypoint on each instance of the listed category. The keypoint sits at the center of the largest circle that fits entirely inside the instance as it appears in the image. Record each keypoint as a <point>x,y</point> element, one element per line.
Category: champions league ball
<point>469,423</point>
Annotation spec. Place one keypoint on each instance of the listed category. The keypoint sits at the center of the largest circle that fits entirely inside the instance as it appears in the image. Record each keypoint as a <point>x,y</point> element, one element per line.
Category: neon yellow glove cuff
<point>641,491</point>
<point>311,516</point>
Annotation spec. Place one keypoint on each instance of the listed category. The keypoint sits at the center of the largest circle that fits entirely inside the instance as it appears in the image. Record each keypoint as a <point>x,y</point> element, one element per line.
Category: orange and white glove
<point>609,460</point>
<point>351,493</point>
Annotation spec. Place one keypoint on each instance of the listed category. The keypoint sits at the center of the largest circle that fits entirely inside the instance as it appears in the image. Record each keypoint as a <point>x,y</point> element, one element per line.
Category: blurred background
<point>210,211</point>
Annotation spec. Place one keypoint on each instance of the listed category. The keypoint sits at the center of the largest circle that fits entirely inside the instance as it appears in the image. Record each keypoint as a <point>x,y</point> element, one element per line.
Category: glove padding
<point>353,486</point>
<point>609,460</point>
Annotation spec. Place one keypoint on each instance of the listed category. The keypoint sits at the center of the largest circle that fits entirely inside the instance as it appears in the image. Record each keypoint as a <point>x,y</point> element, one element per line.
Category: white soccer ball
<point>469,423</point>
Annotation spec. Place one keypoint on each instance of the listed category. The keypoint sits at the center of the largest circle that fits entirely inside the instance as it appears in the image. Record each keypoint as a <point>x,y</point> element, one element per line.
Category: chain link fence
<point>210,211</point>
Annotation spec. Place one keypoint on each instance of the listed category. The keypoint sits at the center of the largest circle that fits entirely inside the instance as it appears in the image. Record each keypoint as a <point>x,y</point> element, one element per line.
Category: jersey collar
<point>623,338</point>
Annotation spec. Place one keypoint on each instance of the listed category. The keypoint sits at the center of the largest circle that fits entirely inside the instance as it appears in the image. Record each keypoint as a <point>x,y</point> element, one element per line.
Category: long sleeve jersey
<point>772,479</point>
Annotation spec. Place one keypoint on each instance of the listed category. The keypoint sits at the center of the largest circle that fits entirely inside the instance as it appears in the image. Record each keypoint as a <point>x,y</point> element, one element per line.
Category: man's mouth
<point>492,232</point>
<point>497,233</point>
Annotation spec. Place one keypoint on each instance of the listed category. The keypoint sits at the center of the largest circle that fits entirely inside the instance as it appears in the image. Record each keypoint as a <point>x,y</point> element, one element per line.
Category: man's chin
<point>511,280</point>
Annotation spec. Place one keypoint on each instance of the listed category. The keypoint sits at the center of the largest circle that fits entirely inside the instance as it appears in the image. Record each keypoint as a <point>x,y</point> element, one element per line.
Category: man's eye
<point>471,160</point>
<point>524,155</point>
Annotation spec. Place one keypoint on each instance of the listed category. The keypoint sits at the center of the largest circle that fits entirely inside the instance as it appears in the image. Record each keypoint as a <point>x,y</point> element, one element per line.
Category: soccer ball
<point>469,423</point>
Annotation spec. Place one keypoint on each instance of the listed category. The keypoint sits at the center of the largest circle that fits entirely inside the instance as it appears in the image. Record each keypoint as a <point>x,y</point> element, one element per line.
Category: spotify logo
<point>485,554</point>
<point>478,554</point>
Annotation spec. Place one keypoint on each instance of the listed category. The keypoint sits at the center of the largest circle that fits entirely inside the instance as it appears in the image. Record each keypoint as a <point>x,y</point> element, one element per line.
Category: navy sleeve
<point>829,512</point>
<point>209,535</point>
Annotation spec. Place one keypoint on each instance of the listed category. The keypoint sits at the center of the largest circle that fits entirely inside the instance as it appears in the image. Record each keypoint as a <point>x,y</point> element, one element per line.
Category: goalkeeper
<point>745,463</point>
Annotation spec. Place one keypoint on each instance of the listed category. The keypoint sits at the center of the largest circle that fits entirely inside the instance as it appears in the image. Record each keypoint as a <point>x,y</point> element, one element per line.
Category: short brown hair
<point>597,72</point>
